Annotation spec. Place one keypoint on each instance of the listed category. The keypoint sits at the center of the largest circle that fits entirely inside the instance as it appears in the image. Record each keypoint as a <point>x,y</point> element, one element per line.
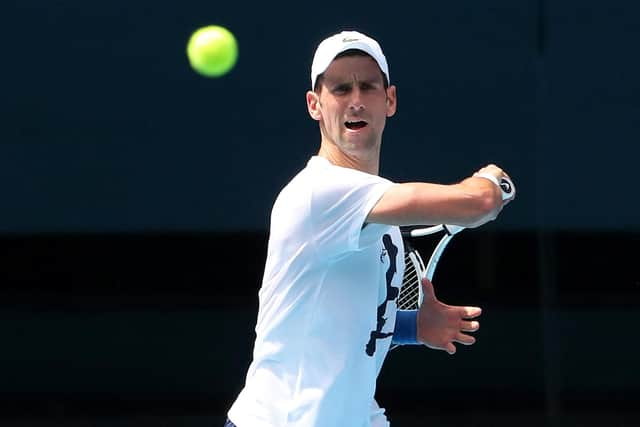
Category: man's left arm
<point>435,324</point>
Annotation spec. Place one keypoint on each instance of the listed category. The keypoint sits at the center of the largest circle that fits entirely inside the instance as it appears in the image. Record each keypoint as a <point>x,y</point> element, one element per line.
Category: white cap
<point>330,47</point>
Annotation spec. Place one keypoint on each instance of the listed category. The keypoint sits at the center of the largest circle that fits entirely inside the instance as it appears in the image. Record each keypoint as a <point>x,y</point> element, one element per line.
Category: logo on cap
<point>349,40</point>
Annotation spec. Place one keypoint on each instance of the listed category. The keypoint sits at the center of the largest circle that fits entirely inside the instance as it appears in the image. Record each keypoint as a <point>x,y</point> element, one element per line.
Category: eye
<point>341,89</point>
<point>369,86</point>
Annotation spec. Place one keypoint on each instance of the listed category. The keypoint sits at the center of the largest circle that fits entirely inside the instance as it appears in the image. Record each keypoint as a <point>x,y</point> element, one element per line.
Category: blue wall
<point>106,128</point>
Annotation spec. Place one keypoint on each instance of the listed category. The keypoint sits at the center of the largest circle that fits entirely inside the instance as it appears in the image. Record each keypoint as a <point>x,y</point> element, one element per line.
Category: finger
<point>427,289</point>
<point>471,312</point>
<point>450,348</point>
<point>465,339</point>
<point>469,326</point>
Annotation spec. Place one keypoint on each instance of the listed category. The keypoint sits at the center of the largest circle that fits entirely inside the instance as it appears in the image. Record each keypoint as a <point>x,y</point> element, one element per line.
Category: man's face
<point>353,104</point>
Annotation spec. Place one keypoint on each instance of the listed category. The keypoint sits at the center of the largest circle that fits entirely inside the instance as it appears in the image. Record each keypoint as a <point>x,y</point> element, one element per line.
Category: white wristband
<point>489,177</point>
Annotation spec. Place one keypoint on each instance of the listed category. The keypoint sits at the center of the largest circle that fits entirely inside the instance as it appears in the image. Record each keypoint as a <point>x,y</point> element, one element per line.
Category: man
<point>327,313</point>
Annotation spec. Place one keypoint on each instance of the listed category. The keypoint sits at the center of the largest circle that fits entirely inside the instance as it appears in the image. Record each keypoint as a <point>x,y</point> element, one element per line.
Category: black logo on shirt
<point>392,294</point>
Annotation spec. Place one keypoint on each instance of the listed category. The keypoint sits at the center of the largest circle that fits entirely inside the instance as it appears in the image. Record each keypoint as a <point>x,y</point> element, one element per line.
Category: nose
<point>355,103</point>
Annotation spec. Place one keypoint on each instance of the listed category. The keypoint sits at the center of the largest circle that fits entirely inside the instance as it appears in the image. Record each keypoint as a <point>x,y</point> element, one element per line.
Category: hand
<point>440,325</point>
<point>497,175</point>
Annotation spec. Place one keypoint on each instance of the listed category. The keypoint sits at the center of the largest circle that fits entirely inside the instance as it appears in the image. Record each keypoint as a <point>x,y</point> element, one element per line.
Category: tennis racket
<point>410,297</point>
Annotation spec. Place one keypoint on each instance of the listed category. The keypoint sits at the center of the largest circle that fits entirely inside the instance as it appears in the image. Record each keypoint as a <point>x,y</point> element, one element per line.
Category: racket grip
<point>507,188</point>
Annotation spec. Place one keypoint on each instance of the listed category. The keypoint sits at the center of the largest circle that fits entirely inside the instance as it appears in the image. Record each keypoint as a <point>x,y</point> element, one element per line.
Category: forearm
<point>469,203</point>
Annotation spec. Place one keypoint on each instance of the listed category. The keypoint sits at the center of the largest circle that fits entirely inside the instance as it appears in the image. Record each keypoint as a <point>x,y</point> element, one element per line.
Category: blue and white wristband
<point>406,328</point>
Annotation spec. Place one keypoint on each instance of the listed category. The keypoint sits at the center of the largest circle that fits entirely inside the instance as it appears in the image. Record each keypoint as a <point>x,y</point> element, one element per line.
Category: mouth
<point>355,125</point>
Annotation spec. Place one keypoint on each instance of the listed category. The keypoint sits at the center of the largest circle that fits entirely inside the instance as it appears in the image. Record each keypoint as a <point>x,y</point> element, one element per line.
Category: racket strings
<point>410,291</point>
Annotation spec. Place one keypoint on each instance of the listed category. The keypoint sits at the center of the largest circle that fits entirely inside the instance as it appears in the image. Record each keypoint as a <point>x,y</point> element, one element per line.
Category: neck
<point>367,162</point>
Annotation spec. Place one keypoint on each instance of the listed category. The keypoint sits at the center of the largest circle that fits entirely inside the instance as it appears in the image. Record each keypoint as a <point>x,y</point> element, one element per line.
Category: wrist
<point>406,328</point>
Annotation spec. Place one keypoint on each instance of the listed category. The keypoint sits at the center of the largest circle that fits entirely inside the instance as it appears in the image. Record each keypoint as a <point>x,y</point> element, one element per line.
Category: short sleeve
<point>340,203</point>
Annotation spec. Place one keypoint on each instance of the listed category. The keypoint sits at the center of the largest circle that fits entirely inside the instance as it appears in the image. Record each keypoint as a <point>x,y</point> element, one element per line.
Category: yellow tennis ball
<point>212,51</point>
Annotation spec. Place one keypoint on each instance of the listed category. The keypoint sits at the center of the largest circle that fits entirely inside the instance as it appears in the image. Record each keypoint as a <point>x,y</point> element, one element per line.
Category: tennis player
<point>327,311</point>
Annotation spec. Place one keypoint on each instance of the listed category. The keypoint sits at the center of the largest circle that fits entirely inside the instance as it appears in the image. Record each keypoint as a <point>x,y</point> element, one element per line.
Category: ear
<point>313,105</point>
<point>392,101</point>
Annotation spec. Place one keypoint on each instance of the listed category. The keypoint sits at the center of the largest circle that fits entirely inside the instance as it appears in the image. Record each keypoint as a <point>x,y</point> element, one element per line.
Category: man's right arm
<point>469,203</point>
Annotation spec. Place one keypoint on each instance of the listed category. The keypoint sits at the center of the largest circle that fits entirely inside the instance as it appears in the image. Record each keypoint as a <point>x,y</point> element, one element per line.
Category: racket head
<point>410,296</point>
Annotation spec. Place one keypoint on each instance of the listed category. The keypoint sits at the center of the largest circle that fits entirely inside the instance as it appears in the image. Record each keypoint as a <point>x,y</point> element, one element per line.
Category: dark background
<point>137,197</point>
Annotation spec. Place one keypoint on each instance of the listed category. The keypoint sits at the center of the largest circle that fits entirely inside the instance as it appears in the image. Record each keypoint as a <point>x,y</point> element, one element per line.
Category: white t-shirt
<point>327,305</point>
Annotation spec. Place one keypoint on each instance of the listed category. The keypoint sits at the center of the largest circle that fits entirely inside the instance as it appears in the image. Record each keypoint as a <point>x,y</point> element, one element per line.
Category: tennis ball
<point>212,51</point>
